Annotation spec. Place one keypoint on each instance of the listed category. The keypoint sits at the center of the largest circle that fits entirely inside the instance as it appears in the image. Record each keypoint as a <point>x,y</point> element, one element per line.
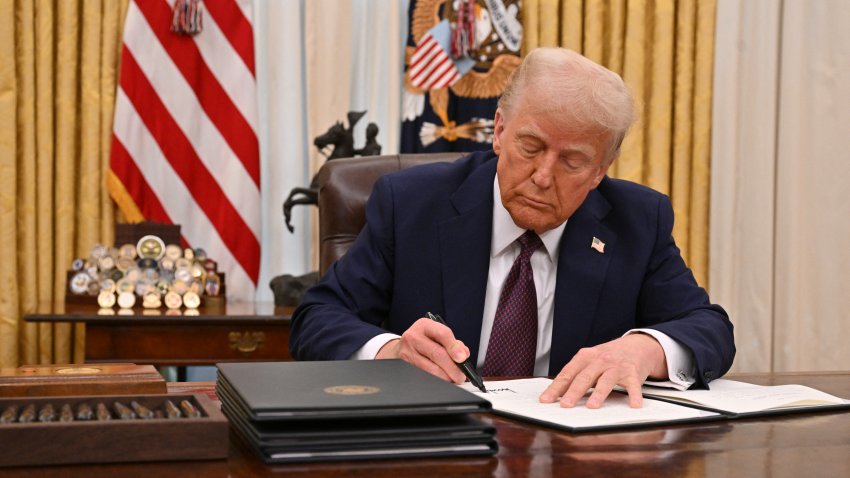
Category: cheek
<point>572,193</point>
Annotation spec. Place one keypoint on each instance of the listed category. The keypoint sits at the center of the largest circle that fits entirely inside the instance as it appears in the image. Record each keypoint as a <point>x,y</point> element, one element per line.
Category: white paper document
<point>741,397</point>
<point>520,398</point>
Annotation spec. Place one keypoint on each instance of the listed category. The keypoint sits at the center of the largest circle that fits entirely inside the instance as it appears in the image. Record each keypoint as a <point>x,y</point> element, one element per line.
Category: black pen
<point>465,366</point>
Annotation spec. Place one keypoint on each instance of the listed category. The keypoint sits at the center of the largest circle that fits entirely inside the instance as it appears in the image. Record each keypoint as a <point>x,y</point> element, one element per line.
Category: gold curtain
<point>664,50</point>
<point>58,71</point>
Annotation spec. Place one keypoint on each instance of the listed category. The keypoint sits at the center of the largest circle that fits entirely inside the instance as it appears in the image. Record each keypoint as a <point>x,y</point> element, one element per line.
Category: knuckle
<point>409,334</point>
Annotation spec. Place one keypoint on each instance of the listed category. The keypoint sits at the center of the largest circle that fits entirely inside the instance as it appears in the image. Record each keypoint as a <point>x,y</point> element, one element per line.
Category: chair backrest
<point>344,187</point>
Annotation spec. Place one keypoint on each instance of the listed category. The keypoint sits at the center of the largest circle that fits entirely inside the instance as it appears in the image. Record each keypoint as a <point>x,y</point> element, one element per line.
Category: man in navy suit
<point>611,300</point>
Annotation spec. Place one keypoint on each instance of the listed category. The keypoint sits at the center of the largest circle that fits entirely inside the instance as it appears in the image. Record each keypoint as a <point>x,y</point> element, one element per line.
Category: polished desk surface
<point>808,444</point>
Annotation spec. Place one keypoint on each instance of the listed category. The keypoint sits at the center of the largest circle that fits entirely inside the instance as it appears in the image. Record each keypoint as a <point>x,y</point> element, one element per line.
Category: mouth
<point>534,203</point>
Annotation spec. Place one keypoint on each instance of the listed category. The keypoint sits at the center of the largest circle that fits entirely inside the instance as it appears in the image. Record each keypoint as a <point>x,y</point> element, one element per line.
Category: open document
<point>740,398</point>
<point>519,399</point>
<point>727,399</point>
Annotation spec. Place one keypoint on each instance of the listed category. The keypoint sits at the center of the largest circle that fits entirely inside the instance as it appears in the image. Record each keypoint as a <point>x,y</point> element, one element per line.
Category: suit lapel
<point>581,275</point>
<point>465,255</point>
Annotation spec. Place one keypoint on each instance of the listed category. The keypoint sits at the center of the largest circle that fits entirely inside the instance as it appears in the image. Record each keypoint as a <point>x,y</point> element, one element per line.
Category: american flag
<point>430,66</point>
<point>185,148</point>
<point>597,245</point>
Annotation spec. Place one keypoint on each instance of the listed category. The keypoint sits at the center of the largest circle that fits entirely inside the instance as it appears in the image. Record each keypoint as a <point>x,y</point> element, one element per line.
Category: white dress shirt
<point>544,262</point>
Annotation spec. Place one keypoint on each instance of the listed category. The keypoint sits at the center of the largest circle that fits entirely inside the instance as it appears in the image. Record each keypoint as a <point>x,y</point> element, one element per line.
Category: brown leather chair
<point>344,187</point>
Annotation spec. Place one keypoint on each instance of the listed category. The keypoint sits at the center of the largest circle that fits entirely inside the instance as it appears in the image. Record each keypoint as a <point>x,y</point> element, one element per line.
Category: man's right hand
<point>430,346</point>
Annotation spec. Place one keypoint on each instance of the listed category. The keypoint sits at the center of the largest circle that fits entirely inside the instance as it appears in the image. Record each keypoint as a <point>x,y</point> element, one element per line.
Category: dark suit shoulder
<point>620,191</point>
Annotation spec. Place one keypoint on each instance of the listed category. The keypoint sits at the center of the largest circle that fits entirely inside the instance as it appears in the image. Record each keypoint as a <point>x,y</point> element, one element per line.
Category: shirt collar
<point>506,232</point>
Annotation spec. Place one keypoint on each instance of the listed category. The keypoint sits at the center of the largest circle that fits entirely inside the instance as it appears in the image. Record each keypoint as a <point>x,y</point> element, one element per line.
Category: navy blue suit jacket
<point>426,247</point>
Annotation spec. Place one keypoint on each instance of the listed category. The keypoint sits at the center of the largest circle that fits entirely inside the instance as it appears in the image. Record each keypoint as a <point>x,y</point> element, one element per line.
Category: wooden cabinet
<point>232,332</point>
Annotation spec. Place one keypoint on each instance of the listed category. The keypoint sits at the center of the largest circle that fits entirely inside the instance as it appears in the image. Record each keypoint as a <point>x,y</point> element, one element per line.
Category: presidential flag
<point>185,148</point>
<point>457,65</point>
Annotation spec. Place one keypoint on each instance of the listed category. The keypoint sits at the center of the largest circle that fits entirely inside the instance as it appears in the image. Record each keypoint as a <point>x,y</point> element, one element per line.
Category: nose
<point>544,169</point>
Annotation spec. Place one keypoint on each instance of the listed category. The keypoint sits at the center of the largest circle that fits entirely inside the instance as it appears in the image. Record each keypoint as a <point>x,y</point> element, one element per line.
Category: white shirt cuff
<point>371,348</point>
<point>680,361</point>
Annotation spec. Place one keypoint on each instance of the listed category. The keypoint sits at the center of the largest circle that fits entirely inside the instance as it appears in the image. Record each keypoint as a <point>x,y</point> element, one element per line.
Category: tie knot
<point>529,242</point>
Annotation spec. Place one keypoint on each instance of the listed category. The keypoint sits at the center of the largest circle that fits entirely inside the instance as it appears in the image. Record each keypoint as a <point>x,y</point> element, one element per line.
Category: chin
<point>530,221</point>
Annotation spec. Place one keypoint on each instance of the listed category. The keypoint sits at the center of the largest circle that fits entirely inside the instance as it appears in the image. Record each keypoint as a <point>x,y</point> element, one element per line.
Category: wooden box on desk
<point>115,440</point>
<point>88,379</point>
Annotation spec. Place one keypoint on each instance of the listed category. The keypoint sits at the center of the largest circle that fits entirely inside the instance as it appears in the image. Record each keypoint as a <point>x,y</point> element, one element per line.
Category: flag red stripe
<point>446,78</point>
<point>231,227</point>
<point>437,69</point>
<point>426,71</point>
<point>126,170</point>
<point>134,182</point>
<point>236,28</point>
<point>428,50</point>
<point>212,97</point>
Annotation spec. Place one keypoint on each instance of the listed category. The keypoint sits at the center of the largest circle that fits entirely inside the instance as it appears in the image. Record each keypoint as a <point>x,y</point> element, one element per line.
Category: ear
<point>603,170</point>
<point>498,129</point>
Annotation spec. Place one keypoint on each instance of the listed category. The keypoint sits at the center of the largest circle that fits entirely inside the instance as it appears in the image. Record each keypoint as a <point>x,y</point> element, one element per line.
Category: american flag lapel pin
<point>598,245</point>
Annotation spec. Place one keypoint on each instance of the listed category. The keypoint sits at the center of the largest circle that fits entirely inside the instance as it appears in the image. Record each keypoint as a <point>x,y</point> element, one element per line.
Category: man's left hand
<point>626,361</point>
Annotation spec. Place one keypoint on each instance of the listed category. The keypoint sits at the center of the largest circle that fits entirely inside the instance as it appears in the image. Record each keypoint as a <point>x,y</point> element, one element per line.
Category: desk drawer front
<point>186,344</point>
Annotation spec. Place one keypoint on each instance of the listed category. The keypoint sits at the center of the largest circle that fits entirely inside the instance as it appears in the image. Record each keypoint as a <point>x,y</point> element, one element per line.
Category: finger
<point>557,388</point>
<point>602,389</point>
<point>564,379</point>
<point>411,356</point>
<point>633,386</point>
<point>444,336</point>
<point>458,351</point>
<point>583,381</point>
<point>440,356</point>
<point>440,346</point>
<point>420,350</point>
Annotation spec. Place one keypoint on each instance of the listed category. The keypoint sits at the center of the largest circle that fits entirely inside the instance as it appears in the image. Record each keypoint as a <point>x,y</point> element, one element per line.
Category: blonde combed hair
<point>567,85</point>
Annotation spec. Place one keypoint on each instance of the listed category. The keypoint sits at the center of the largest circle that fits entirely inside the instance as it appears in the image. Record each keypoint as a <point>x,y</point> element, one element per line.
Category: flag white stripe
<point>234,76</point>
<point>247,7</point>
<point>184,107</point>
<point>429,50</point>
<point>423,75</point>
<point>448,80</point>
<point>434,77</point>
<point>426,47</point>
<point>175,198</point>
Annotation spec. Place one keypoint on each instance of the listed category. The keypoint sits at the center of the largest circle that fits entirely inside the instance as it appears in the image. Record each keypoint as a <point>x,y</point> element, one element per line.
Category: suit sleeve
<point>347,307</point>
<point>672,302</point>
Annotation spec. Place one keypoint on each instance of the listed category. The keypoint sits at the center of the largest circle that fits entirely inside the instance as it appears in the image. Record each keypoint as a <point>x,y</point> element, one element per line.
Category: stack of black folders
<point>350,410</point>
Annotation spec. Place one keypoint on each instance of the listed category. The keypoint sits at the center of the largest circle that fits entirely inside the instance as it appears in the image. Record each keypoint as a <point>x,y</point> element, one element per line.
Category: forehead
<point>560,137</point>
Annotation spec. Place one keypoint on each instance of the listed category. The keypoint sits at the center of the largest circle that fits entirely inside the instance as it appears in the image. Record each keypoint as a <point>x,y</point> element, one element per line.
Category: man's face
<point>546,168</point>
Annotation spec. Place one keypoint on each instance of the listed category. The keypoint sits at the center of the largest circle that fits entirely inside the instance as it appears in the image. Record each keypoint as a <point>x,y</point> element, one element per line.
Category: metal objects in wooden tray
<point>108,429</point>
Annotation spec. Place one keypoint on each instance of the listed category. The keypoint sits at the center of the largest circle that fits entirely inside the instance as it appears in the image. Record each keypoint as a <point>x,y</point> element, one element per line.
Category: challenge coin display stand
<point>147,267</point>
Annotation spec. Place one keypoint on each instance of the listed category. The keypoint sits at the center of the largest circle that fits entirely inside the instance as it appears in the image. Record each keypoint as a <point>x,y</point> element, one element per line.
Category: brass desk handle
<point>247,342</point>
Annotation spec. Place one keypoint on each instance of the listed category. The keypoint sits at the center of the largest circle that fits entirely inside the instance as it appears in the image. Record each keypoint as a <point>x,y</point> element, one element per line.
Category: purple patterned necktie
<point>513,340</point>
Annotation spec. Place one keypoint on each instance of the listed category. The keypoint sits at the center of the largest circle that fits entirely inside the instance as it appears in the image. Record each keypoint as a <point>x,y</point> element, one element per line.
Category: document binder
<point>348,410</point>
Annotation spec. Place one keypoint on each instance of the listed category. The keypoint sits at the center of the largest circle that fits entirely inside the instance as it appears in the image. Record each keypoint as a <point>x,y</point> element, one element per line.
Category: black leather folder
<point>350,410</point>
<point>274,391</point>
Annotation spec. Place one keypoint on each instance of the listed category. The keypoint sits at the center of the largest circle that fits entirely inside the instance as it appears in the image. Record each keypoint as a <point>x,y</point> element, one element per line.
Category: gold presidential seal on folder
<point>352,390</point>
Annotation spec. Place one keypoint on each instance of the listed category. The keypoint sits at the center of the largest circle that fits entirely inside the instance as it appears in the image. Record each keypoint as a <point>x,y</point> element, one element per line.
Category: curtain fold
<point>57,88</point>
<point>664,50</point>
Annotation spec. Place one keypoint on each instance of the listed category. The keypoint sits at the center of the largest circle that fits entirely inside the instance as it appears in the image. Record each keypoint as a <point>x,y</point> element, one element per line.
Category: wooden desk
<point>229,333</point>
<point>809,445</point>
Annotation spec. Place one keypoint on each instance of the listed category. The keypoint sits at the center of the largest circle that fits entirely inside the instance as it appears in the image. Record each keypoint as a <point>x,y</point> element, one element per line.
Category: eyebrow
<point>528,131</point>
